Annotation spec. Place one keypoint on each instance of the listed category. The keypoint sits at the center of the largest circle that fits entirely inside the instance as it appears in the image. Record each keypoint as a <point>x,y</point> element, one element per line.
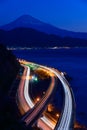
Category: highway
<point>41,104</point>
<point>66,116</point>
<point>24,101</point>
<point>20,100</point>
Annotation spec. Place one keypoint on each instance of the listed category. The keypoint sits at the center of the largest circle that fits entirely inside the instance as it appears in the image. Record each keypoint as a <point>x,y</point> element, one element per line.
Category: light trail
<point>23,99</point>
<point>26,89</point>
<point>20,100</point>
<point>66,116</point>
<point>67,112</point>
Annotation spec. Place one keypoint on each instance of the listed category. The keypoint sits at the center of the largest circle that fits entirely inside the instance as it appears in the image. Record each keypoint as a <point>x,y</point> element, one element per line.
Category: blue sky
<point>65,14</point>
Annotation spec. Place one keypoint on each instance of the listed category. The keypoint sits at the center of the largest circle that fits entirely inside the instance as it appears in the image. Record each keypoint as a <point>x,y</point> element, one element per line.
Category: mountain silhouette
<point>26,37</point>
<point>27,21</point>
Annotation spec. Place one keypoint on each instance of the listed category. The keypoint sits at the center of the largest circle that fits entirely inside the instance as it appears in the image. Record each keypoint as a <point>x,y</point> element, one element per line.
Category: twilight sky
<point>65,14</point>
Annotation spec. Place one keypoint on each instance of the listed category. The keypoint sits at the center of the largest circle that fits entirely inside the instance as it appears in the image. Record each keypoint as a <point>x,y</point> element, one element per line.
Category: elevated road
<point>66,119</point>
<point>20,100</point>
<point>24,101</point>
<point>39,107</point>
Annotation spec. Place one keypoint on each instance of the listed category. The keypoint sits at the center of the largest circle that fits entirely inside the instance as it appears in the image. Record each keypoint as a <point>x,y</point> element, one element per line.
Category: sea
<point>73,61</point>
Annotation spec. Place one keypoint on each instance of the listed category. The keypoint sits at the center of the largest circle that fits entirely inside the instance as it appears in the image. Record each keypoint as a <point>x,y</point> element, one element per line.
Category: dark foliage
<point>9,67</point>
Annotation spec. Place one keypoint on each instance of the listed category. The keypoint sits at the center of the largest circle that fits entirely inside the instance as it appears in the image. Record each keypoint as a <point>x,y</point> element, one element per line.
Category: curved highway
<point>24,101</point>
<point>66,116</point>
<point>20,100</point>
<point>28,118</point>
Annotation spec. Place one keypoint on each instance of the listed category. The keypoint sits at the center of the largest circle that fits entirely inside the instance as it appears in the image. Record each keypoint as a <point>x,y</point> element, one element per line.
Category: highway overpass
<point>66,121</point>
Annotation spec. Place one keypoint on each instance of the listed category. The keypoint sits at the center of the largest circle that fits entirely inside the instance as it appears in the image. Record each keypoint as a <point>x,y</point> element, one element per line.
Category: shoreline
<point>44,48</point>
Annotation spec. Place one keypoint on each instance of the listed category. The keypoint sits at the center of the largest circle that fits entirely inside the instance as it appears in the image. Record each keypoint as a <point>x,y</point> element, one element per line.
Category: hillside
<point>27,37</point>
<point>9,67</point>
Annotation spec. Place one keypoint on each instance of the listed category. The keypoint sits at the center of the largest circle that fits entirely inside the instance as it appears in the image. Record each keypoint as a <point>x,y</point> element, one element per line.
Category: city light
<point>57,115</point>
<point>34,78</point>
<point>43,92</point>
<point>38,99</point>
